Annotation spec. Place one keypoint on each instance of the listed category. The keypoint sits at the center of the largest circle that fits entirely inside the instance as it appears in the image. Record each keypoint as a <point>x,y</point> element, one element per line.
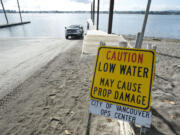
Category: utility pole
<point>4,12</point>
<point>93,11</point>
<point>97,27</point>
<point>19,10</point>
<point>144,24</point>
<point>111,9</point>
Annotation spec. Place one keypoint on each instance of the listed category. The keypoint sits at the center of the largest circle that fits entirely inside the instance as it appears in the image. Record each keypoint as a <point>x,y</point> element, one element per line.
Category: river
<point>52,25</point>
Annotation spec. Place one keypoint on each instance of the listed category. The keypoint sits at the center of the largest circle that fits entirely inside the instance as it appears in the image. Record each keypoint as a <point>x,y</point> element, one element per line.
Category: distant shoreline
<point>128,37</point>
<point>101,12</point>
<point>149,38</point>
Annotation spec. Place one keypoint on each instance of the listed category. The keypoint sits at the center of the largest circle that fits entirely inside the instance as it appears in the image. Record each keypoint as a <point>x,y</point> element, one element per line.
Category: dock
<point>14,24</point>
<point>7,21</point>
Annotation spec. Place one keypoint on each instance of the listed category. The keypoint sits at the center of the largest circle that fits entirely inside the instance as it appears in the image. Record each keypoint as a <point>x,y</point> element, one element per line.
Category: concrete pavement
<point>20,58</point>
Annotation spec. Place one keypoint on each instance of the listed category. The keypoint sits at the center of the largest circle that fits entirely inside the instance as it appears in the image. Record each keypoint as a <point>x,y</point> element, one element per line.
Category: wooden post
<point>4,12</point>
<point>88,124</point>
<point>137,40</point>
<point>93,11</point>
<point>144,23</point>
<point>19,10</point>
<point>111,8</point>
<point>97,26</point>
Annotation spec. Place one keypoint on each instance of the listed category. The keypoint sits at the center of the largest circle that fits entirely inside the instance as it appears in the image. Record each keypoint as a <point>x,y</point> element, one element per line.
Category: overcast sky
<point>74,5</point>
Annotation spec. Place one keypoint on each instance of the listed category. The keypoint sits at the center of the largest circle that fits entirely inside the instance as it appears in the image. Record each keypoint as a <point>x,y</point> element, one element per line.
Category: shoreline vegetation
<point>168,12</point>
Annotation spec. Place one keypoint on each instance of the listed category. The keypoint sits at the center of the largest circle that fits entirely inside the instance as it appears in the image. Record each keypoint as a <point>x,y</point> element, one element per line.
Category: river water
<point>52,25</point>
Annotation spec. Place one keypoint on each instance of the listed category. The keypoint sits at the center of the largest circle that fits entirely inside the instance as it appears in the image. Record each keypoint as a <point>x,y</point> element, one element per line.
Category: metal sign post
<point>89,124</point>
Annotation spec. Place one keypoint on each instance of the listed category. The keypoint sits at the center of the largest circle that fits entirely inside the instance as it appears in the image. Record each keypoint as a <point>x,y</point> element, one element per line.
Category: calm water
<point>52,25</point>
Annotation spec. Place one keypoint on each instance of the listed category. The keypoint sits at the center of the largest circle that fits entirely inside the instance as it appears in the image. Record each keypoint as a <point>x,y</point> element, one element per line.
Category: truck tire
<point>82,36</point>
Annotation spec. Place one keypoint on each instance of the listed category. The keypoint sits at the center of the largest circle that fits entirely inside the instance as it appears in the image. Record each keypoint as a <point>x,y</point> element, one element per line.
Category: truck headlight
<point>78,31</point>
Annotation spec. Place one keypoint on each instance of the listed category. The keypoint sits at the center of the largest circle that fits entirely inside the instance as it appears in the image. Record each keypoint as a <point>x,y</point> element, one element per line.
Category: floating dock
<point>14,24</point>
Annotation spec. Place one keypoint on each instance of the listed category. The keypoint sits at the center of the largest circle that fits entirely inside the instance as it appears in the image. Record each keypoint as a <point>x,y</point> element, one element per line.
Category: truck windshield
<point>74,26</point>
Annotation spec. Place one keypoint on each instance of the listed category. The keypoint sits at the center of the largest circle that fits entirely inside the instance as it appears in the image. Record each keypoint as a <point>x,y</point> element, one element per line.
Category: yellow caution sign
<point>124,76</point>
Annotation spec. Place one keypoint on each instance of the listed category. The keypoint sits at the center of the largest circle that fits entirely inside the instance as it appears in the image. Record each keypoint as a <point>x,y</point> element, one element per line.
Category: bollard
<point>149,46</point>
<point>154,47</point>
<point>102,43</point>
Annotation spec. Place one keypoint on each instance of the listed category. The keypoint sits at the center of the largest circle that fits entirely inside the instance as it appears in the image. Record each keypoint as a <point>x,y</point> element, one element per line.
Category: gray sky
<point>74,5</point>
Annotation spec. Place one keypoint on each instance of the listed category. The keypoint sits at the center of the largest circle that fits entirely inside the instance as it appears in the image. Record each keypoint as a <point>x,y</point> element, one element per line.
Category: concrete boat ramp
<point>21,57</point>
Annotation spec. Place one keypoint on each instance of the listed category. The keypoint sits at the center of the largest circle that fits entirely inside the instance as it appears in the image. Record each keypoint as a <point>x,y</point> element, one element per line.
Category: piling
<point>111,8</point>
<point>19,10</point>
<point>144,24</point>
<point>97,26</point>
<point>4,12</point>
<point>93,11</point>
